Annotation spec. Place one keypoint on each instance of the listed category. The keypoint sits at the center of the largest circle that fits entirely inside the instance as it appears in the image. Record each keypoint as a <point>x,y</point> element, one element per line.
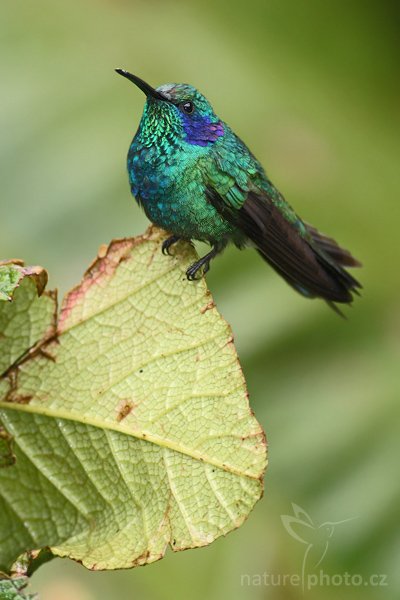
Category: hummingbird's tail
<point>319,271</point>
<point>341,284</point>
<point>333,258</point>
<point>308,260</point>
<point>332,248</point>
<point>311,264</point>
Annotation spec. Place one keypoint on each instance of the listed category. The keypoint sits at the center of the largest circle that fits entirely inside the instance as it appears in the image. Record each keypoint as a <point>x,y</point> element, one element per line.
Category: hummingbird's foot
<point>203,263</point>
<point>195,268</point>
<point>166,245</point>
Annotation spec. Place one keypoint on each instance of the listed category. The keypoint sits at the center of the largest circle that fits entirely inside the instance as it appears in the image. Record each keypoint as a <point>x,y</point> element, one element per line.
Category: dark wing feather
<point>312,270</point>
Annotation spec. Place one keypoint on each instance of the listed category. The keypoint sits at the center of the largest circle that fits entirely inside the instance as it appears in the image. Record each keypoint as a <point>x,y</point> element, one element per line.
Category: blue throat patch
<point>201,131</point>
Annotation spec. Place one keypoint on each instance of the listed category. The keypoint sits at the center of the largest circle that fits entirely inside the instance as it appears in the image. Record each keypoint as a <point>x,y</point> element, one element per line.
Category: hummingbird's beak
<point>142,85</point>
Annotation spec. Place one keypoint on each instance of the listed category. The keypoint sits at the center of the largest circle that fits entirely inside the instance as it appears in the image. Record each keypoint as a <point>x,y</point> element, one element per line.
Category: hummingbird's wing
<point>238,188</point>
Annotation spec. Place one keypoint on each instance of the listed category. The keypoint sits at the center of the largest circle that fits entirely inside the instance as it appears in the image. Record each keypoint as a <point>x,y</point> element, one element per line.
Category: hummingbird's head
<point>176,111</point>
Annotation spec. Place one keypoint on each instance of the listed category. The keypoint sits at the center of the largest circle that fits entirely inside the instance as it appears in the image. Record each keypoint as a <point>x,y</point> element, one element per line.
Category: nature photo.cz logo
<point>316,538</point>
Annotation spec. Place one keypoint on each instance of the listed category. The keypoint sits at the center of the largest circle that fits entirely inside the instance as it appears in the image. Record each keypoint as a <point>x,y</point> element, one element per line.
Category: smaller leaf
<point>11,274</point>
<point>29,315</point>
<point>28,562</point>
<point>11,589</point>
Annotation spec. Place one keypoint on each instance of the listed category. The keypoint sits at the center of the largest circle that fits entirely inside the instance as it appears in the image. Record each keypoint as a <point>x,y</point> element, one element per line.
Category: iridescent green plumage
<point>195,178</point>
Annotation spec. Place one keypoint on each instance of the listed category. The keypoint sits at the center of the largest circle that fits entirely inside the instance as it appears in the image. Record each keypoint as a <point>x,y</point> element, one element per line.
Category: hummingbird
<point>195,178</point>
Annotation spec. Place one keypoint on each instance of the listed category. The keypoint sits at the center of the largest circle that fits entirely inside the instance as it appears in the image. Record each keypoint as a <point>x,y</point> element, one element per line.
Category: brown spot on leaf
<point>7,456</point>
<point>142,559</point>
<point>21,398</point>
<point>207,307</point>
<point>102,251</point>
<point>12,394</point>
<point>124,408</point>
<point>152,255</point>
<point>46,354</point>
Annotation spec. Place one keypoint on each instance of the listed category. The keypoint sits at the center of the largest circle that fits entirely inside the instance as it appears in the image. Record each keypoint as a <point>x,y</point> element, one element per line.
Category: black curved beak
<point>142,85</point>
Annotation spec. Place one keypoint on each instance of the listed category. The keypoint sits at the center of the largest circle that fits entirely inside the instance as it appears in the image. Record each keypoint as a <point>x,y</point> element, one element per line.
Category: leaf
<point>11,589</point>
<point>9,279</point>
<point>30,318</point>
<point>7,456</point>
<point>11,274</point>
<point>131,427</point>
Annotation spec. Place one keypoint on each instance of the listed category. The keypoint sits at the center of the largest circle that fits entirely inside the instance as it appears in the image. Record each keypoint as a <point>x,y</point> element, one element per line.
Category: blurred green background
<point>312,87</point>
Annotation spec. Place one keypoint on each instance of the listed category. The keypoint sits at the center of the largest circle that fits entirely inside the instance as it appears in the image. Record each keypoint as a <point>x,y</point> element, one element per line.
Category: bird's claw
<point>203,264</point>
<point>193,270</point>
<point>166,245</point>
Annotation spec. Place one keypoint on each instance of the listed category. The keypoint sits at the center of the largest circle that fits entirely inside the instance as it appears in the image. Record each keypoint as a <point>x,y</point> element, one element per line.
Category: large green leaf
<point>131,426</point>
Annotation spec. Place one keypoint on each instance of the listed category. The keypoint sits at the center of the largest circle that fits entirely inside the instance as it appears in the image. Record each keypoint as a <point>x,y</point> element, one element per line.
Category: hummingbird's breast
<point>167,182</point>
<point>155,172</point>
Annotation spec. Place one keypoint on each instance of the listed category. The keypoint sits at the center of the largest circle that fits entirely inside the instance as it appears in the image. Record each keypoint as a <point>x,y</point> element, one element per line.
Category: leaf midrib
<point>141,435</point>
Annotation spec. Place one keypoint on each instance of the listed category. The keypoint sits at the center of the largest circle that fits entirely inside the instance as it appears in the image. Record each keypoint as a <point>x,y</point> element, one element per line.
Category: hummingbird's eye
<point>187,107</point>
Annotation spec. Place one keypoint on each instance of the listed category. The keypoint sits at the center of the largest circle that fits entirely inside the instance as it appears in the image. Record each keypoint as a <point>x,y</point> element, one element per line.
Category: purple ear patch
<point>200,131</point>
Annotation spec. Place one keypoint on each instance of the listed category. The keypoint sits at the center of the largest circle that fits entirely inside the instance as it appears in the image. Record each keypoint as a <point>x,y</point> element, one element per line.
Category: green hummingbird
<point>195,178</point>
